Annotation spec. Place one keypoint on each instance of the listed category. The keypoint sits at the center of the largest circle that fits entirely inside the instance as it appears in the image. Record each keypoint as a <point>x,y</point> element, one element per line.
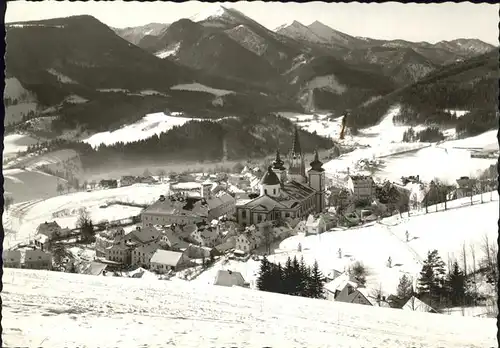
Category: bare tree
<point>161,174</point>
<point>473,255</point>
<point>464,259</point>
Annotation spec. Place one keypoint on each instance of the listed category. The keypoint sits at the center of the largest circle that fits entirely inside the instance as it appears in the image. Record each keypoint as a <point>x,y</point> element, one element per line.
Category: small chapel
<point>287,193</point>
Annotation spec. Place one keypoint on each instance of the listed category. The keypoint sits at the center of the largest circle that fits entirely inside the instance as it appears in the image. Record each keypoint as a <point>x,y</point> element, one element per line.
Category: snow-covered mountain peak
<point>211,13</point>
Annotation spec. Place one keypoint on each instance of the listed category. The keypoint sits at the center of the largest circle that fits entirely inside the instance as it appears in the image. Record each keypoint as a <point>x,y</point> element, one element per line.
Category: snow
<point>327,82</point>
<point>60,77</point>
<point>75,99</point>
<point>62,309</point>
<point>148,126</point>
<point>198,87</point>
<point>25,218</point>
<point>17,142</point>
<point>211,13</point>
<point>113,90</point>
<point>450,158</point>
<point>373,243</point>
<point>169,51</point>
<point>457,113</point>
<point>14,90</point>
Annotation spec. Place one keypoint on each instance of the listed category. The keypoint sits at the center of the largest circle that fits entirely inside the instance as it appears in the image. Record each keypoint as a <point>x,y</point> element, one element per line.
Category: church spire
<point>278,162</point>
<point>316,164</point>
<point>296,149</point>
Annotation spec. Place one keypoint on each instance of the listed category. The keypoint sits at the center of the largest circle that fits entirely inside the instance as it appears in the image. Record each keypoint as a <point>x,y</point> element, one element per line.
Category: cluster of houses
<point>342,287</point>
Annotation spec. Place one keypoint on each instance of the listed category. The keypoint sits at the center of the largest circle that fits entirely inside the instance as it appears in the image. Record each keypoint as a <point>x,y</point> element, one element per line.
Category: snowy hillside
<point>14,143</point>
<point>450,158</point>
<point>148,126</point>
<point>25,185</point>
<point>25,218</point>
<point>69,310</point>
<point>198,87</point>
<point>372,244</point>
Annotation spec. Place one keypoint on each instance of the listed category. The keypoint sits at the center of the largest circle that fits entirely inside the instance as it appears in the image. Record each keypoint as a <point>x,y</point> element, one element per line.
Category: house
<point>200,252</point>
<point>147,180</point>
<point>315,225</point>
<point>119,253</point>
<point>205,236</point>
<point>106,239</point>
<point>41,241</point>
<point>229,244</point>
<point>465,186</point>
<point>49,229</point>
<point>247,242</point>
<point>338,284</point>
<point>108,184</point>
<point>362,187</point>
<point>95,269</point>
<point>416,305</point>
<point>350,294</point>
<point>37,259</point>
<point>229,278</point>
<point>176,209</point>
<point>301,228</point>
<point>127,180</point>
<point>11,258</point>
<point>141,256</point>
<point>165,260</point>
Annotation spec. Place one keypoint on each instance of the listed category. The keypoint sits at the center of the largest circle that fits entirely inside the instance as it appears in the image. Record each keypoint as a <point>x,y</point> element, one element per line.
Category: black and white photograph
<point>250,174</point>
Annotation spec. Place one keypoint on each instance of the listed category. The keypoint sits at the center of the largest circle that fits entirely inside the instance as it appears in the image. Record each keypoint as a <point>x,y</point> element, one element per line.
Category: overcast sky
<point>412,22</point>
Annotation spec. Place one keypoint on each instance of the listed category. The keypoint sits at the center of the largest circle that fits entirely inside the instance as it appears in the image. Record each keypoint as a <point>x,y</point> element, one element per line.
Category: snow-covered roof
<point>229,278</point>
<point>166,257</point>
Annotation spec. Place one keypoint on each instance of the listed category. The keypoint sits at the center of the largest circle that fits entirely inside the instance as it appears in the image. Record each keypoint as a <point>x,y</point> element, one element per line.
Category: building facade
<point>286,194</point>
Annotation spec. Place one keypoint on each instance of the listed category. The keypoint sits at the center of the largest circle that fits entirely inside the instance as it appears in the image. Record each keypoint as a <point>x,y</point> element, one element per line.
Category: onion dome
<point>278,162</point>
<point>317,165</point>
<point>270,178</point>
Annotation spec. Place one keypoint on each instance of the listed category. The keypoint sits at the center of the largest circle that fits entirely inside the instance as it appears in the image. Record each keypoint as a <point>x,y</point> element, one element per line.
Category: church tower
<point>279,168</point>
<point>270,184</point>
<point>317,182</point>
<point>297,168</point>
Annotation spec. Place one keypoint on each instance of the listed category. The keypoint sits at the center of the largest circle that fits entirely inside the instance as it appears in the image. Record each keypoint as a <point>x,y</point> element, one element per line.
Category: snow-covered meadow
<point>198,87</point>
<point>55,309</point>
<point>24,218</point>
<point>375,242</point>
<point>148,126</point>
<point>450,159</point>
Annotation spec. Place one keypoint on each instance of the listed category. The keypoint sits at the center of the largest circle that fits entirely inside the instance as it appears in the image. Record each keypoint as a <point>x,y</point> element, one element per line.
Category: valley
<point>297,186</point>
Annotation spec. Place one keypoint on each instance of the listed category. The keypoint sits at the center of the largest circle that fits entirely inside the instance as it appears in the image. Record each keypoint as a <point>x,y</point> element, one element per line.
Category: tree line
<point>428,135</point>
<point>294,278</point>
<point>443,286</point>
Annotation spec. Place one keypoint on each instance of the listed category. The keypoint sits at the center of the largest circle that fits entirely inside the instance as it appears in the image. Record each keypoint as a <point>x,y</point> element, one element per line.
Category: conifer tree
<point>264,281</point>
<point>317,282</point>
<point>432,276</point>
<point>456,285</point>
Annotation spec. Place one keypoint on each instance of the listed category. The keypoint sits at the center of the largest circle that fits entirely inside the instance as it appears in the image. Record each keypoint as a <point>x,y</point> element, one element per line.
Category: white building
<point>163,261</point>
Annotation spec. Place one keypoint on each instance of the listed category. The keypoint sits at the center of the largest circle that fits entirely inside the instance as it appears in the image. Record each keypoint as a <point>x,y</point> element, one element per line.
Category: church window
<point>265,191</point>
<point>274,191</point>
<point>244,214</point>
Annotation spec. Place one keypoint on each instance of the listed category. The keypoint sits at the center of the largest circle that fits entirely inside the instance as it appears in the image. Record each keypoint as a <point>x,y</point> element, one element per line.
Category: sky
<point>391,20</point>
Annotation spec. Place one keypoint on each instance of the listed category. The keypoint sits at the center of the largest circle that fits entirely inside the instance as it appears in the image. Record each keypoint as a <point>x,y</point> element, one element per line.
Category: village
<point>205,218</point>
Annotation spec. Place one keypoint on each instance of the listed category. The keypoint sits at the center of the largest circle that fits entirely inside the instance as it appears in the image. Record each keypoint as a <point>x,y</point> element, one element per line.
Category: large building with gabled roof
<point>286,194</point>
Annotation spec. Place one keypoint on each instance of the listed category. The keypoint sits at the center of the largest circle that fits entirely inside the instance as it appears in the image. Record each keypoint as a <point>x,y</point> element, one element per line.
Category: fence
<point>455,203</point>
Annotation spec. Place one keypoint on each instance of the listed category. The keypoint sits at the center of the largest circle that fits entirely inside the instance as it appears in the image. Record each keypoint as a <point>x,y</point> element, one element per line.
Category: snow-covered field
<point>26,185</point>
<point>374,243</point>
<point>14,143</point>
<point>198,87</point>
<point>450,159</point>
<point>148,126</point>
<point>54,309</point>
<point>25,218</point>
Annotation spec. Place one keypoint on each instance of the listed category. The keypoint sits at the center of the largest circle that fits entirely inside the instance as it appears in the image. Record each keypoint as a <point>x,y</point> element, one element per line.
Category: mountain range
<point>119,75</point>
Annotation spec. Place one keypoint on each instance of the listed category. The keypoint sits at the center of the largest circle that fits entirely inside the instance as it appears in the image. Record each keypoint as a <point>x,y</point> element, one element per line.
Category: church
<point>287,193</point>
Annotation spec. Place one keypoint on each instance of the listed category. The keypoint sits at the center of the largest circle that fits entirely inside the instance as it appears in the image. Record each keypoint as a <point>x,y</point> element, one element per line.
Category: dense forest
<point>470,85</point>
<point>232,138</point>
